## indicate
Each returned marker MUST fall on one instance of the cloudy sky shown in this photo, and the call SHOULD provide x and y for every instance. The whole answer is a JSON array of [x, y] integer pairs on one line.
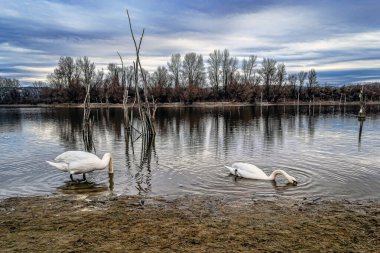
[[340, 39]]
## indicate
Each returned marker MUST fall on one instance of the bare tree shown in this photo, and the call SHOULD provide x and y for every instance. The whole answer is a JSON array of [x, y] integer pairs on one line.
[[312, 82], [114, 74], [232, 71], [6, 86], [214, 69], [280, 80], [87, 71], [127, 124], [174, 67], [98, 83], [248, 68], [193, 69], [268, 74], [301, 79], [129, 73], [66, 67], [55, 80], [63, 75], [161, 77], [115, 82], [87, 75], [144, 110], [160, 82], [38, 86], [292, 79]]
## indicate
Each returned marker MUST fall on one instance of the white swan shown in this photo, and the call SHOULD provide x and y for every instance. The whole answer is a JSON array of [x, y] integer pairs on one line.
[[80, 162], [247, 170]]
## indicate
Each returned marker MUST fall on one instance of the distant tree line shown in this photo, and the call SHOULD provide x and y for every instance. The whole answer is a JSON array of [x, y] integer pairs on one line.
[[184, 79], [8, 90]]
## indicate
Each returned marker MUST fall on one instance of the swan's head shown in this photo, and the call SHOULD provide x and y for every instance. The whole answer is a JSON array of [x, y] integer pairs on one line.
[[108, 156], [292, 180]]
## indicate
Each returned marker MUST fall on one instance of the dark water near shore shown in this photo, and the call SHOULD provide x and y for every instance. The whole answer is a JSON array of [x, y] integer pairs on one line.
[[319, 146]]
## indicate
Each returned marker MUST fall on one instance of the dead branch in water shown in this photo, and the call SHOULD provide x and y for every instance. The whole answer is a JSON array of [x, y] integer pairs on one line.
[[144, 106], [88, 73], [125, 99], [87, 122]]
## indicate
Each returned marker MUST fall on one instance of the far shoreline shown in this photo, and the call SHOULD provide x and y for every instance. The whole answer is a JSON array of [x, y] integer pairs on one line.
[[194, 104]]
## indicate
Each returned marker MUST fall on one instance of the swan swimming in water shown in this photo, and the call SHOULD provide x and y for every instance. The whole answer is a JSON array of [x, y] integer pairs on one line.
[[80, 162], [247, 170]]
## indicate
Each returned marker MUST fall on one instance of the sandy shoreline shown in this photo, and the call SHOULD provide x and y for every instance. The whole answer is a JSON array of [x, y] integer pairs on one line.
[[187, 224]]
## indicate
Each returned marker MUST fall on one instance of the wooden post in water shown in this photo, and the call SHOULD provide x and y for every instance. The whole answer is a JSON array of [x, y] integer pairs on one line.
[[362, 113]]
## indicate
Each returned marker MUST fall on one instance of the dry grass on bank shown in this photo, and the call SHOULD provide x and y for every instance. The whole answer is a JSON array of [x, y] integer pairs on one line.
[[187, 224]]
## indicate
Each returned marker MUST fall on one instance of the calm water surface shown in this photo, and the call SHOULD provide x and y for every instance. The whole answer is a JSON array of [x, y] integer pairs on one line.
[[319, 146]]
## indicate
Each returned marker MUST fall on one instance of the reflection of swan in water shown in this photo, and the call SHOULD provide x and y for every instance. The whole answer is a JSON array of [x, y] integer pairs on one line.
[[83, 188], [80, 162], [250, 171]]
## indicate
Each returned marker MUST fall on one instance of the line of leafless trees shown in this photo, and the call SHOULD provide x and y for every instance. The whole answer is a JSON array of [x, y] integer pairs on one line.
[[187, 79]]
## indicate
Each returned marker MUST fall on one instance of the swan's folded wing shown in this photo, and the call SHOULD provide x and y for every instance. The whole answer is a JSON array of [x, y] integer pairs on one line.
[[247, 170], [61, 166], [71, 156], [85, 166]]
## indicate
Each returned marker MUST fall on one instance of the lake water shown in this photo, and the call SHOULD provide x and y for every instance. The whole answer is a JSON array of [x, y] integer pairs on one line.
[[320, 146]]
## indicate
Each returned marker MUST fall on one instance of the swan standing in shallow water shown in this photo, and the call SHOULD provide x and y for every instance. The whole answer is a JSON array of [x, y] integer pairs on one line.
[[247, 170], [80, 162]]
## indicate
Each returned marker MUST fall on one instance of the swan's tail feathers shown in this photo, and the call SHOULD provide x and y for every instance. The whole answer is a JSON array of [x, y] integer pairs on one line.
[[232, 170], [60, 166]]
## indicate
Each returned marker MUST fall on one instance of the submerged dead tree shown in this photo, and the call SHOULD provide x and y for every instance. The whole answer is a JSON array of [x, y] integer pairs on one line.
[[125, 98], [87, 123], [139, 125], [145, 108], [88, 70]]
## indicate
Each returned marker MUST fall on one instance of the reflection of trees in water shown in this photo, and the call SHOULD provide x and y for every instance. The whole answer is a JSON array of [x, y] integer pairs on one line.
[[186, 126], [311, 125], [222, 127], [68, 124], [210, 129], [143, 176], [10, 120], [111, 119], [361, 123]]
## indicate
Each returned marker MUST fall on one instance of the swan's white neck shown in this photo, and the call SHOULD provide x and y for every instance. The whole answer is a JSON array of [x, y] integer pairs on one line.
[[107, 161], [280, 172]]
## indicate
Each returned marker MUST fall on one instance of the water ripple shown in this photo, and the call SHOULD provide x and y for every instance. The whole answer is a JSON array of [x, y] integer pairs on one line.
[[192, 146]]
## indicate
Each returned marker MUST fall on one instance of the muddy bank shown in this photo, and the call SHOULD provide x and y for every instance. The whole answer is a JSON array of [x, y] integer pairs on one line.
[[187, 224]]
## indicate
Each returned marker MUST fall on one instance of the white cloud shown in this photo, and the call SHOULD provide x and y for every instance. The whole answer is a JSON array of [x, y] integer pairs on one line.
[[34, 69], [340, 42], [7, 47], [351, 65]]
